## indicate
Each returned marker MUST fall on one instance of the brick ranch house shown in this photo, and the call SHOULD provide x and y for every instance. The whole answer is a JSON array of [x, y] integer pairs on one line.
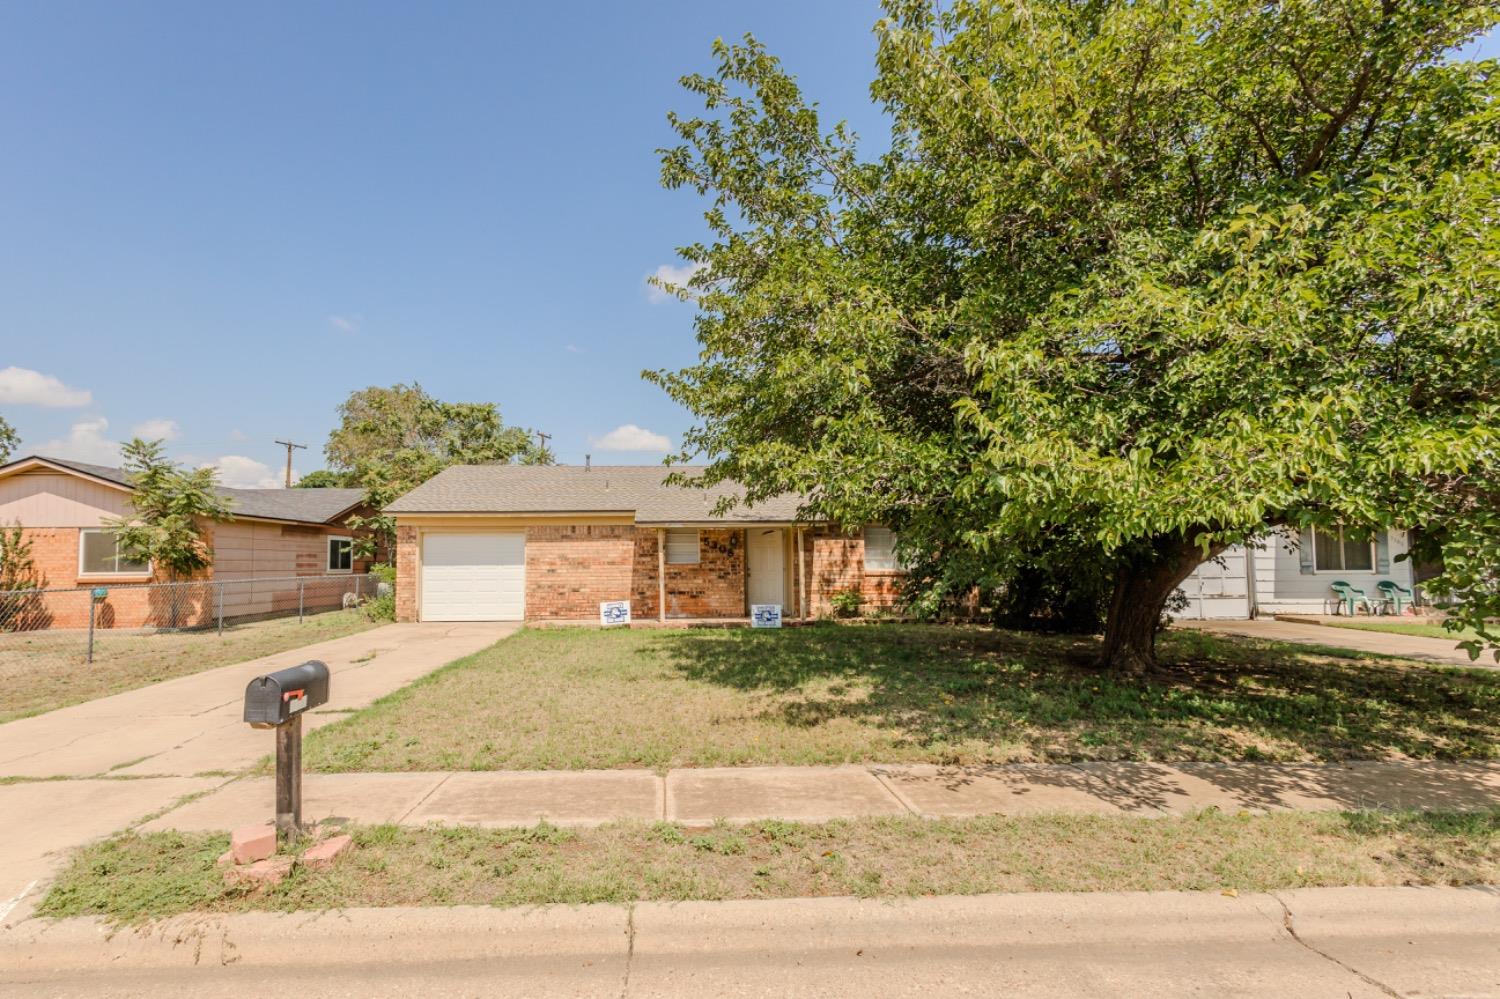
[[550, 543], [61, 506]]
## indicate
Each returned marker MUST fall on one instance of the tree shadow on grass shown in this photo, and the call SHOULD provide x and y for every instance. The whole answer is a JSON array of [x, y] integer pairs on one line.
[[1217, 699]]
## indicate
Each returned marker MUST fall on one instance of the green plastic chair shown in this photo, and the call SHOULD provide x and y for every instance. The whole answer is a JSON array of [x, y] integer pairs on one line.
[[1349, 596], [1393, 594]]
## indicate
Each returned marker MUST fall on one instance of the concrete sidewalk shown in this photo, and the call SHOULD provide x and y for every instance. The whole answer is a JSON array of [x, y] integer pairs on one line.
[[1354, 942], [1435, 650], [193, 724], [818, 794]]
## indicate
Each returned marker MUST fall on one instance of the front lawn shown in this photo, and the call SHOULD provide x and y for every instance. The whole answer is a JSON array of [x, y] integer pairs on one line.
[[584, 698], [132, 878], [45, 670]]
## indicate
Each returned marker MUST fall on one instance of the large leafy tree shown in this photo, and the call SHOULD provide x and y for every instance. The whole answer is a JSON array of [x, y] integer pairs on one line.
[[170, 506], [1133, 283], [391, 440]]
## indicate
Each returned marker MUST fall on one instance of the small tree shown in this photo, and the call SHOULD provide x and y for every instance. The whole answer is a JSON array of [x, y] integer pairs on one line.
[[8, 440], [170, 505], [19, 609]]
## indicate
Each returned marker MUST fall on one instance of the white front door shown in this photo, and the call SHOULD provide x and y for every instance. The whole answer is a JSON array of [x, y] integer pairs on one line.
[[474, 577], [765, 557]]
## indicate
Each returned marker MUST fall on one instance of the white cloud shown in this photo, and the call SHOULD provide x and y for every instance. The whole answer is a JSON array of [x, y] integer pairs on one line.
[[160, 429], [238, 435], [239, 472], [24, 387], [344, 324], [678, 274], [86, 441], [629, 437], [573, 348]]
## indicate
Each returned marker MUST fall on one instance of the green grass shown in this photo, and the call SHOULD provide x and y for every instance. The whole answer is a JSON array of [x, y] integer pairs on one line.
[[1418, 628], [43, 671], [584, 698], [132, 878]]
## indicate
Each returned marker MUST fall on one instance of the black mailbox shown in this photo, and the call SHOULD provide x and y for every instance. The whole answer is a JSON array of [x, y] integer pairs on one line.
[[276, 698]]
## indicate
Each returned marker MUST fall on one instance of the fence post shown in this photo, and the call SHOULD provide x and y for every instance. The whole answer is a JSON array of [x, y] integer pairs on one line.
[[219, 600], [301, 597], [92, 605]]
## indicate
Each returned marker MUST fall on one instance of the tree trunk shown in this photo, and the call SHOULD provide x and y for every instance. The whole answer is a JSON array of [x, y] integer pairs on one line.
[[1140, 595]]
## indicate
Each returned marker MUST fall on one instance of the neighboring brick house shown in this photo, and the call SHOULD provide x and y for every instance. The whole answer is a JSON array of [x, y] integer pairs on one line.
[[536, 543], [62, 506]]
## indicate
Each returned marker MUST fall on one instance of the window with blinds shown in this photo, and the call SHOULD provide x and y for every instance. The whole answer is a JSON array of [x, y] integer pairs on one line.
[[682, 546], [880, 548]]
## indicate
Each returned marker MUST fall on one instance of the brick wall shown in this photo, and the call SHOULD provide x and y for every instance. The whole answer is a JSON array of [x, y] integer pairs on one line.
[[406, 573], [129, 604], [836, 561], [571, 569], [715, 587]]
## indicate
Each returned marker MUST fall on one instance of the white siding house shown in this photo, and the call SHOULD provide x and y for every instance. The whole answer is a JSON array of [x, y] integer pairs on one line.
[[1290, 572]]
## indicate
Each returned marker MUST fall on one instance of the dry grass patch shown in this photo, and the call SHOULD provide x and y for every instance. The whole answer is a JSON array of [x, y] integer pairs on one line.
[[37, 675], [580, 698], [136, 877]]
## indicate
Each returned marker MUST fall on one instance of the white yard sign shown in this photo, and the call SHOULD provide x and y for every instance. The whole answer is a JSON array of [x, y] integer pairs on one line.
[[613, 612], [765, 615]]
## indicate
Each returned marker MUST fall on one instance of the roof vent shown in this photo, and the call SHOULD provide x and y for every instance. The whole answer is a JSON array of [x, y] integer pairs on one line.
[[587, 459]]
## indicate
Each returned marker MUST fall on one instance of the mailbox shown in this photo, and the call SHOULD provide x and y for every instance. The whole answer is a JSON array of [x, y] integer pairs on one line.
[[277, 698]]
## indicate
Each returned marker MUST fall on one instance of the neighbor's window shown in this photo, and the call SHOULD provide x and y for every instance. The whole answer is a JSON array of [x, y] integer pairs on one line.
[[99, 555], [880, 548], [682, 546], [340, 554], [1338, 550]]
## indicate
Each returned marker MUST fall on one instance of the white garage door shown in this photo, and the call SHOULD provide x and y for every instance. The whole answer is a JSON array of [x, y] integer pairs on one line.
[[474, 577]]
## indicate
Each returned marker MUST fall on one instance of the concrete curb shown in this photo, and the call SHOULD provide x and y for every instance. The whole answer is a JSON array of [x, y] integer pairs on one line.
[[792, 930]]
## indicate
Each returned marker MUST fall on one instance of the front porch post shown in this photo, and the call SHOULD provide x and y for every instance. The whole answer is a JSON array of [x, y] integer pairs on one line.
[[661, 574], [801, 580]]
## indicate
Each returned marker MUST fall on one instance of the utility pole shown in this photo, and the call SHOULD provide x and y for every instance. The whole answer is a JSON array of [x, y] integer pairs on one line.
[[289, 446], [542, 440]]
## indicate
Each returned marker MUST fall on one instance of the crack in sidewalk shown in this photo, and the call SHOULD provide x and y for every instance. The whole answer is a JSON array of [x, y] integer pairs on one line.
[[423, 800], [629, 948], [1286, 923]]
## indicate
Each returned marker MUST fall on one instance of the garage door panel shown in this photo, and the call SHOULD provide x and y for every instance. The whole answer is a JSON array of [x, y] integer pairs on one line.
[[474, 577]]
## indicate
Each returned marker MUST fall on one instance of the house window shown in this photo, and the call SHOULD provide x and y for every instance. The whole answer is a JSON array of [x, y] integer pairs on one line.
[[682, 546], [1339, 550], [340, 554], [99, 555], [880, 549]]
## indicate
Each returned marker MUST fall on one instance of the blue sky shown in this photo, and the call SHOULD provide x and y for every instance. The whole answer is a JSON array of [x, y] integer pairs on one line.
[[218, 220]]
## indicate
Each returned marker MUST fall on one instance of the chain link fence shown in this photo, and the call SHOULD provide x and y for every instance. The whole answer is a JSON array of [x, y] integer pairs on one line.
[[90, 623]]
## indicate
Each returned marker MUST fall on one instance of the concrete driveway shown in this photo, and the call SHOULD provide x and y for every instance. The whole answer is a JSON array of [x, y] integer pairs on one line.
[[176, 736], [1436, 650]]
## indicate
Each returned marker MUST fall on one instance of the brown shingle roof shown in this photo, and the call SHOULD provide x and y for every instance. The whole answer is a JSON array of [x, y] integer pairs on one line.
[[314, 506], [552, 489]]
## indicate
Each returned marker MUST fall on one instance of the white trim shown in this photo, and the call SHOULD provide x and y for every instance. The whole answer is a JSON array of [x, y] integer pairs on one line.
[[329, 539], [117, 574]]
